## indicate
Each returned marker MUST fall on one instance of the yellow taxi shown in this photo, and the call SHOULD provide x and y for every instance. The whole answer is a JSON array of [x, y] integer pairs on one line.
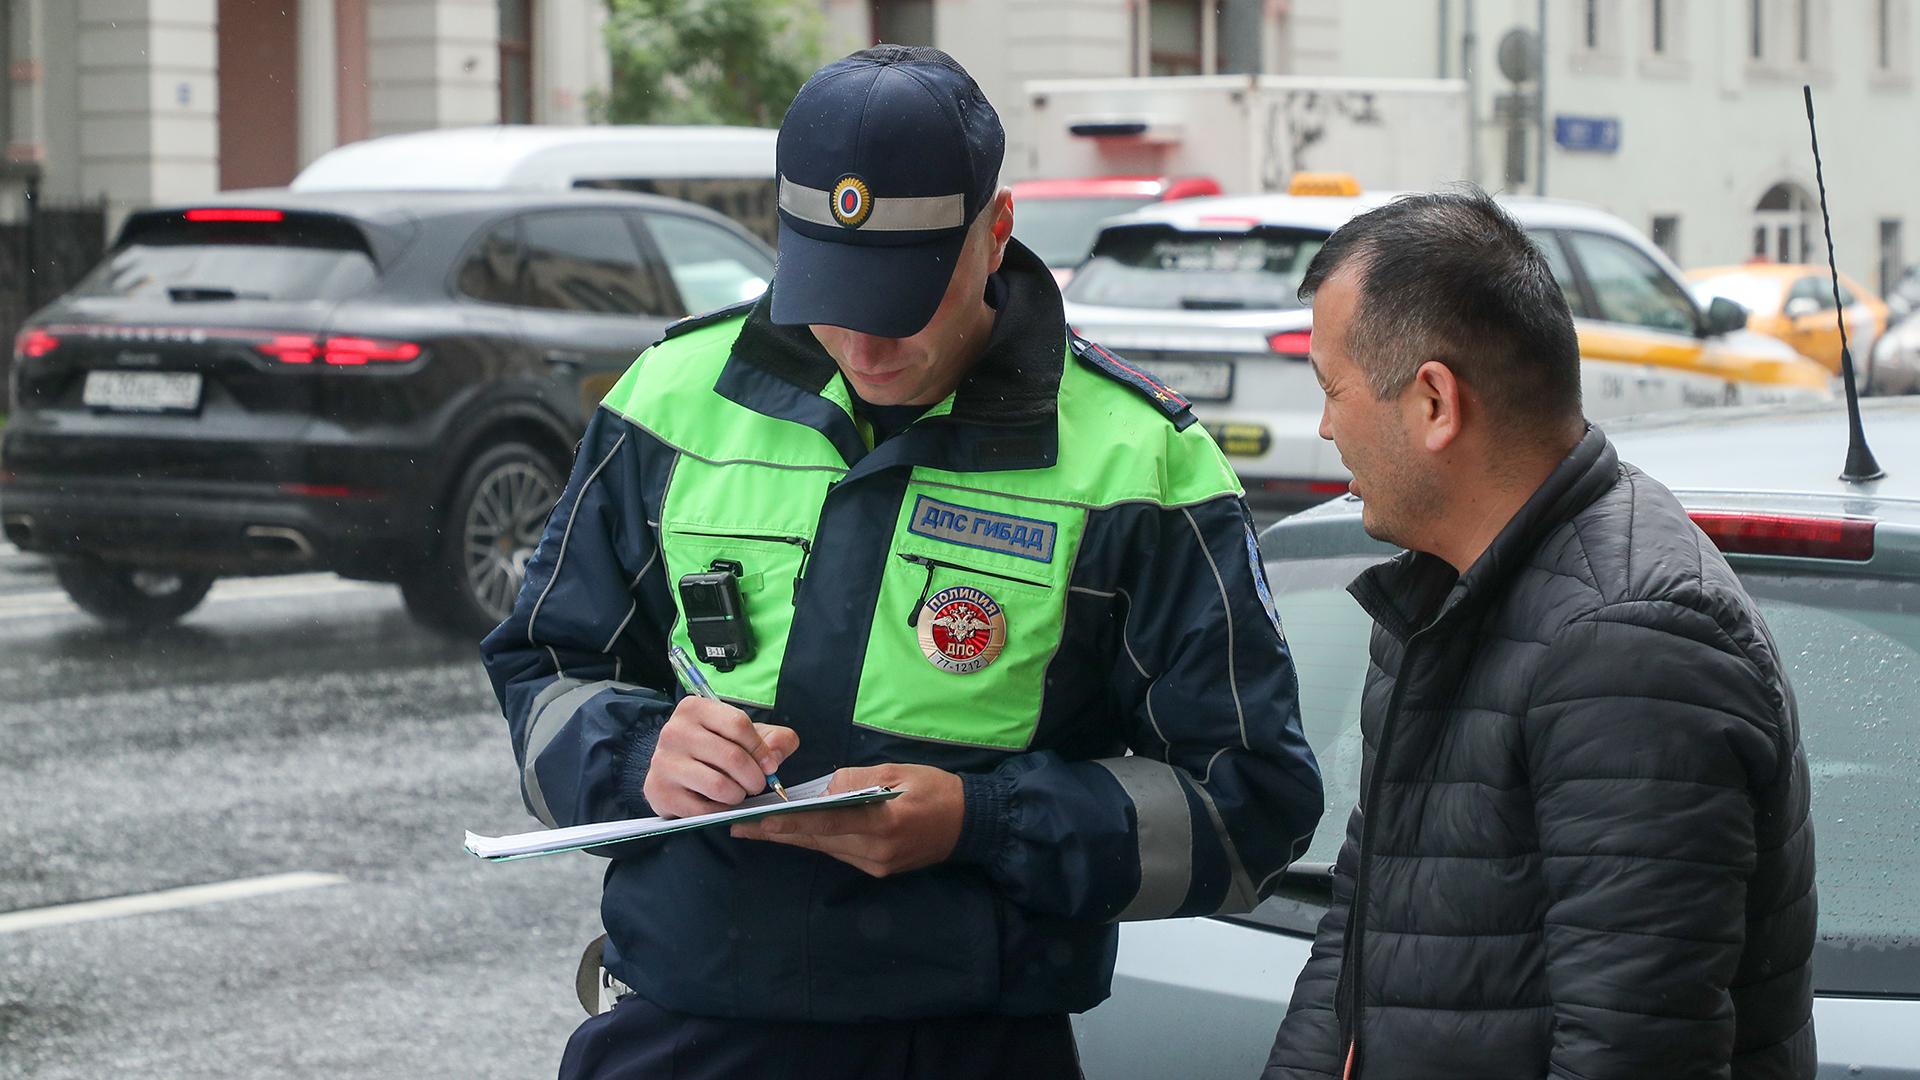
[[1794, 303]]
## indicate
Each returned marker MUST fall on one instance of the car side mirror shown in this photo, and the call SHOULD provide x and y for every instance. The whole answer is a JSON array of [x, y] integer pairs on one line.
[[1725, 316], [1801, 306]]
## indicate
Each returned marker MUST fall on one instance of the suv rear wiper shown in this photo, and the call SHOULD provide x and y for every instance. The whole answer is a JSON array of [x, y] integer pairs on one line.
[[188, 294], [1192, 303]]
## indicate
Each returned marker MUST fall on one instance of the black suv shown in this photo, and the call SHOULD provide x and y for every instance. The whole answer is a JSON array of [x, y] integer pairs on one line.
[[388, 386]]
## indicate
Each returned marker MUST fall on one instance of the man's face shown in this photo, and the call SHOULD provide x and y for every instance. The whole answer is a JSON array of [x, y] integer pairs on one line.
[[925, 368], [1372, 435]]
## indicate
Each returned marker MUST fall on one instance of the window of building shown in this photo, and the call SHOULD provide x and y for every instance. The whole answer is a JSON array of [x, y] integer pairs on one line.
[[1783, 223], [1662, 38], [1756, 26], [1175, 31], [1893, 38], [1590, 23], [6, 84], [1892, 260], [587, 261], [1803, 30], [516, 61], [903, 22], [1666, 234]]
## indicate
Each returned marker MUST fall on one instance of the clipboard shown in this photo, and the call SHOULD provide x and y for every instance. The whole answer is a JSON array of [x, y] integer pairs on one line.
[[531, 845]]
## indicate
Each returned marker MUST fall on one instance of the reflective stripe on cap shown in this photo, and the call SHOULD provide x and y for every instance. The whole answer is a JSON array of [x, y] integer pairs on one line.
[[926, 214]]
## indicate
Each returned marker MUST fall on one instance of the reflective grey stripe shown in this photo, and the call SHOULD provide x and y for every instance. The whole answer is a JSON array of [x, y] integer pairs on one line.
[[549, 714], [1165, 828], [1241, 895], [631, 608], [560, 558], [1226, 616], [815, 207]]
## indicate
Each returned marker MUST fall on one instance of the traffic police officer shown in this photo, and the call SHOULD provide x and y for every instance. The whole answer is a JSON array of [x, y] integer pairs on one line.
[[975, 558]]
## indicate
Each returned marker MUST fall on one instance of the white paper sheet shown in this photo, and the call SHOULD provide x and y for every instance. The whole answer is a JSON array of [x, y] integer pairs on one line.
[[808, 796]]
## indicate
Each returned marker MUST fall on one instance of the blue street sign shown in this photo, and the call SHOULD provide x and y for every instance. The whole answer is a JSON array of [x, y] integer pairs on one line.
[[1599, 134]]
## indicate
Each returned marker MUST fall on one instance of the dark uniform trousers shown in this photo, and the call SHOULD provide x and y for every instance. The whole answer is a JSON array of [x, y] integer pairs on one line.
[[638, 1040]]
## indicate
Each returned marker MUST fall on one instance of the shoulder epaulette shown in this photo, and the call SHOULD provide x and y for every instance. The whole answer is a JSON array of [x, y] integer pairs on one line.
[[717, 315], [1165, 398]]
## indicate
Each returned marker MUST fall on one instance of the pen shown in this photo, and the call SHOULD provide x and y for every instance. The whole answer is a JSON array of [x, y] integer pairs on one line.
[[697, 682]]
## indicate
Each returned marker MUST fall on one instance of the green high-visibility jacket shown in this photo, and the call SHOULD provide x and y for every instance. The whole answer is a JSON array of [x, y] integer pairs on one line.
[[1048, 584]]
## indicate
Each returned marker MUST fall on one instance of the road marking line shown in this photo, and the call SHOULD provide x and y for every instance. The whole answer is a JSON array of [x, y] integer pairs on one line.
[[55, 602], [164, 900]]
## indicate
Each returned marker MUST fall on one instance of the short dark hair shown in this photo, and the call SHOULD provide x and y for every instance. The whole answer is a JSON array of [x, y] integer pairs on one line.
[[1450, 276]]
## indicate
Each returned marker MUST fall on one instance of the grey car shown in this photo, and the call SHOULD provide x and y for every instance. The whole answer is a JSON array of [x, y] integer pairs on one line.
[[1834, 566]]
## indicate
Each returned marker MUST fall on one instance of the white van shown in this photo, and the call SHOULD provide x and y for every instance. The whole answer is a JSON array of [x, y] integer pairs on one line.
[[728, 169]]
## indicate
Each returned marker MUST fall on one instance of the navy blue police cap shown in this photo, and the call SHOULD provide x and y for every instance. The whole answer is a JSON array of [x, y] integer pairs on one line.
[[885, 158]]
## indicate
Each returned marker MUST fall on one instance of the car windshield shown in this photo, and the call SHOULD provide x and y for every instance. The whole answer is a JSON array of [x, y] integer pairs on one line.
[[1159, 266], [1756, 294], [1852, 647], [1061, 231]]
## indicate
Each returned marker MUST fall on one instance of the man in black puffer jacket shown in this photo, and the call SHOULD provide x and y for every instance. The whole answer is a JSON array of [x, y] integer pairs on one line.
[[1583, 847]]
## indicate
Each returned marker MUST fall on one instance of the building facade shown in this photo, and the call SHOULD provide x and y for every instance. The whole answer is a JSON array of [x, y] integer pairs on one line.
[[1684, 117], [144, 101]]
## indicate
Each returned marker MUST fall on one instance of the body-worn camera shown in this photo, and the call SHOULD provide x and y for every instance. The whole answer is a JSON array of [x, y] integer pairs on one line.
[[716, 619]]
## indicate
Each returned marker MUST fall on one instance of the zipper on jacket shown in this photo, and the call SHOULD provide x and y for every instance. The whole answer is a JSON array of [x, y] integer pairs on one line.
[[1351, 976], [913, 617], [805, 545]]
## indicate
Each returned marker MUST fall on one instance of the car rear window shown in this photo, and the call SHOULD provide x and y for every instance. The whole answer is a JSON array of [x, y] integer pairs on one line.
[[1061, 231], [1852, 649], [1158, 266], [170, 259]]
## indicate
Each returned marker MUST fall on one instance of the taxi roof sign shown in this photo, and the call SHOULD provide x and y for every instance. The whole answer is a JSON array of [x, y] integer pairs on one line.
[[1323, 183]]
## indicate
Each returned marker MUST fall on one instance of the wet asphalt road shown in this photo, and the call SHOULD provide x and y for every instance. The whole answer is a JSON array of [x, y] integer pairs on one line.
[[290, 724]]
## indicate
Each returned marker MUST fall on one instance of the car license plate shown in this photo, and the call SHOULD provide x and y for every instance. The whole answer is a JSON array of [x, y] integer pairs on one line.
[[142, 391], [1197, 380]]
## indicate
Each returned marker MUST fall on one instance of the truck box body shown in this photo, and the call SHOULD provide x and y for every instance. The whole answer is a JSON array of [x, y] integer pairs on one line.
[[1251, 132]]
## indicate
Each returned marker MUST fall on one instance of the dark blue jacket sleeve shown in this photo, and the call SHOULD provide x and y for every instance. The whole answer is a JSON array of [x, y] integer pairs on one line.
[[579, 666], [1219, 792]]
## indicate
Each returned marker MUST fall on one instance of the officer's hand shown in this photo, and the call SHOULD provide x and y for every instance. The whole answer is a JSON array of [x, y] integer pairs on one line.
[[711, 756], [916, 828]]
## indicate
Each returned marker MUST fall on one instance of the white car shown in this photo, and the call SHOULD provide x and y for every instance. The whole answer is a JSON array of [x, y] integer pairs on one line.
[[1201, 292], [1202, 998]]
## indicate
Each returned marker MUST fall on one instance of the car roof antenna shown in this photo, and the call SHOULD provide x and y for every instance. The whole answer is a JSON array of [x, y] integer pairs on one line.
[[1861, 465]]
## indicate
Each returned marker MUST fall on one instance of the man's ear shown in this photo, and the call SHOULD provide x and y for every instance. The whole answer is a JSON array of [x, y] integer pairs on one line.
[[1001, 228], [1436, 399]]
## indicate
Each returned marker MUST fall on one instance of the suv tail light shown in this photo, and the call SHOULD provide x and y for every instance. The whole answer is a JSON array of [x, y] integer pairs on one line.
[[1782, 534], [338, 351], [359, 350], [1290, 342], [34, 344]]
